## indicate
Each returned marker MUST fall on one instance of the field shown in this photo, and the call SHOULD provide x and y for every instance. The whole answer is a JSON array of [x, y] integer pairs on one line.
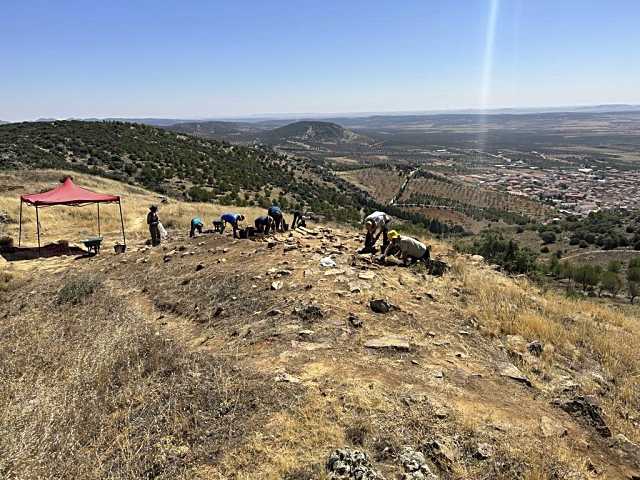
[[381, 184]]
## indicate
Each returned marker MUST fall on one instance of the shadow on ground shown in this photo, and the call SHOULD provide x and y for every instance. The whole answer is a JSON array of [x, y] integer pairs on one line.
[[47, 251]]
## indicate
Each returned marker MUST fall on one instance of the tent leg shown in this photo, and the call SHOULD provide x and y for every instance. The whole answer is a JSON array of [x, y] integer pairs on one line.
[[124, 239], [20, 228], [98, 219], [38, 228]]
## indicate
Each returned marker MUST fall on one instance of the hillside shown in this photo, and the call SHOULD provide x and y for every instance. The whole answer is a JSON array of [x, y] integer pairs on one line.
[[211, 358], [178, 165], [231, 131], [315, 131]]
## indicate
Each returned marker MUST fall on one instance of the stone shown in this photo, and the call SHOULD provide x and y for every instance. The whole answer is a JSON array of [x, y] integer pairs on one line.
[[348, 464], [626, 448], [588, 409], [380, 306], [511, 371], [274, 313], [285, 377], [277, 285], [551, 428], [389, 342], [483, 451], [441, 453], [289, 248], [355, 321], [477, 258], [167, 258], [309, 312], [366, 276], [415, 465], [199, 267], [272, 244]]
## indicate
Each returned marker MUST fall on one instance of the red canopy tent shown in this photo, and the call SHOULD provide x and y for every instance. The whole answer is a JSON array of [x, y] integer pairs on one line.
[[71, 195]]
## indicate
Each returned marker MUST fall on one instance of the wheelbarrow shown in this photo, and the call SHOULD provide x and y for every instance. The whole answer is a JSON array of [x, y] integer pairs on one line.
[[93, 245]]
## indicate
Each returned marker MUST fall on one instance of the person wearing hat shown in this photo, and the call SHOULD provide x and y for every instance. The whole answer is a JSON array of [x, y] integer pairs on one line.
[[153, 221], [233, 219], [376, 224], [196, 226], [408, 249]]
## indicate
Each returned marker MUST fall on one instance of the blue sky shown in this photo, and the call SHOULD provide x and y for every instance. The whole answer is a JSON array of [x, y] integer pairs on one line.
[[193, 59]]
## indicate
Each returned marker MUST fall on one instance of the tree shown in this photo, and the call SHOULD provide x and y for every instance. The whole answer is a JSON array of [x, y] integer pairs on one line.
[[611, 282], [587, 275], [633, 279], [614, 266], [548, 237], [634, 290]]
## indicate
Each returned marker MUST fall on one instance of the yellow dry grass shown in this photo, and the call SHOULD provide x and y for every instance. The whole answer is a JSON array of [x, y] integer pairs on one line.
[[579, 329]]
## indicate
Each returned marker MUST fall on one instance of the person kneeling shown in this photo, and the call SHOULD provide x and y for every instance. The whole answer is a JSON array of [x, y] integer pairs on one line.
[[408, 249]]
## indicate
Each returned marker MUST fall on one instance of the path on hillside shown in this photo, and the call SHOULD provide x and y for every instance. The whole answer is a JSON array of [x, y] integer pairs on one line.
[[404, 185]]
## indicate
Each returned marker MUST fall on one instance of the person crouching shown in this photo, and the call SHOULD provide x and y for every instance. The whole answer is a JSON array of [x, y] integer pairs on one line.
[[196, 226], [407, 249], [232, 219], [264, 224]]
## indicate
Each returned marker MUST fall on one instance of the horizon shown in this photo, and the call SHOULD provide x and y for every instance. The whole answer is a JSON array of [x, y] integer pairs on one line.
[[205, 60]]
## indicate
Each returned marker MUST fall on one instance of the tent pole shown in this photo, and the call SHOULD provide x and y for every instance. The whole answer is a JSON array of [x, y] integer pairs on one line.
[[124, 239], [38, 228], [20, 229], [98, 218]]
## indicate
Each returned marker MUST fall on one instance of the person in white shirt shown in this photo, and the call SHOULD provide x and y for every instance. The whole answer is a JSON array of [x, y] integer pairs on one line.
[[376, 224], [408, 249]]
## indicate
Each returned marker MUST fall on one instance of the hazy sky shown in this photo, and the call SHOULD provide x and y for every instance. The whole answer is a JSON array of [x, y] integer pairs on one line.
[[194, 59]]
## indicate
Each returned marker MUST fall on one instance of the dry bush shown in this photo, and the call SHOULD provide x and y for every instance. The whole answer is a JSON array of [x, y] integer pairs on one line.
[[93, 391], [76, 289]]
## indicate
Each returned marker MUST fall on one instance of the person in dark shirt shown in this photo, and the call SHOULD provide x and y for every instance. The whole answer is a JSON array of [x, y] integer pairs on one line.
[[298, 219], [233, 219], [276, 213], [153, 221], [264, 224]]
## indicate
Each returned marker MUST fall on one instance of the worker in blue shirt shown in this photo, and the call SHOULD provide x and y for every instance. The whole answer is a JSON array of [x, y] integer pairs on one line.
[[196, 226], [233, 219], [264, 224], [278, 220]]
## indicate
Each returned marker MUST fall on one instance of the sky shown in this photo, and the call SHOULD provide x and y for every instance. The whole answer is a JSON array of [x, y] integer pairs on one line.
[[211, 59]]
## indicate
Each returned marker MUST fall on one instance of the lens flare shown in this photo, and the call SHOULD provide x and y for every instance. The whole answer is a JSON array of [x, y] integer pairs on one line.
[[487, 71]]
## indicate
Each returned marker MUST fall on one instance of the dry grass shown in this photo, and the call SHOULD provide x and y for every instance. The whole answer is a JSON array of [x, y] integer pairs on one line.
[[94, 391], [76, 223], [579, 330]]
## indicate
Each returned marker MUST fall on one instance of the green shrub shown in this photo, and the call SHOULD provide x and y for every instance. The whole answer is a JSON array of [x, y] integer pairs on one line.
[[76, 289]]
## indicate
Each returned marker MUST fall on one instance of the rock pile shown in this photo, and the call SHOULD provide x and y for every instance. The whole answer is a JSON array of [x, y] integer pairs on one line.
[[415, 465], [348, 464]]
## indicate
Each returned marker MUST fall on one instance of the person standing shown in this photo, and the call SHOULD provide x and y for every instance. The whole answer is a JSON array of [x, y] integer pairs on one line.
[[376, 224], [276, 213], [233, 219], [153, 221]]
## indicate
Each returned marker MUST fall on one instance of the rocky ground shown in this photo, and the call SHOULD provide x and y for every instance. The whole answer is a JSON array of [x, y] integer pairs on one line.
[[370, 371]]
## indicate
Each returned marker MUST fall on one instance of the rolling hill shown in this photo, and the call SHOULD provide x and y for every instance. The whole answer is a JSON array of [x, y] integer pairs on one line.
[[180, 165], [316, 132]]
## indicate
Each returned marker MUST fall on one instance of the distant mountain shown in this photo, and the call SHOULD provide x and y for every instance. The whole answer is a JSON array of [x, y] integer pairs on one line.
[[316, 132]]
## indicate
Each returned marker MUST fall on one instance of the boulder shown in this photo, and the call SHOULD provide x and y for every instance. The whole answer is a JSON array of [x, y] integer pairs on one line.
[[511, 371], [355, 321], [588, 410], [380, 305], [535, 348], [277, 285]]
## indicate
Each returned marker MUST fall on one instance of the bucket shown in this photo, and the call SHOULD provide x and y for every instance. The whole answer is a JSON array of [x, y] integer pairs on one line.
[[119, 248]]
